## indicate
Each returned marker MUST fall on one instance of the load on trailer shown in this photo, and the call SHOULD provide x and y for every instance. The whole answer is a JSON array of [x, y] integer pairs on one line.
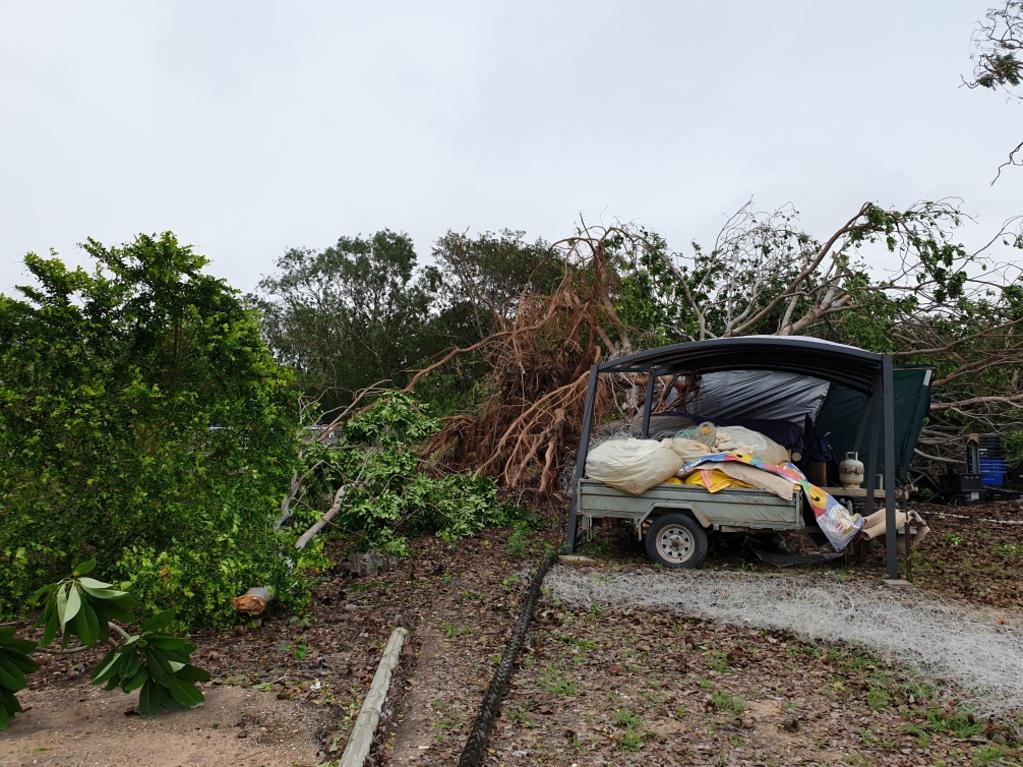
[[749, 443]]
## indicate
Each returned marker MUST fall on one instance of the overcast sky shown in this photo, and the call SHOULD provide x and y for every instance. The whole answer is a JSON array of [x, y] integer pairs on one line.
[[250, 127]]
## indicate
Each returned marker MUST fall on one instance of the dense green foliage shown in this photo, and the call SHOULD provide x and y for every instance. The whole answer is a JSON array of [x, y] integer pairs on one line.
[[365, 310], [143, 422], [387, 495], [348, 316]]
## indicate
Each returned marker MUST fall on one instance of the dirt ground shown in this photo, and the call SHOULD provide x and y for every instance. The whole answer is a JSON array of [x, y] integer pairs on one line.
[[85, 726], [975, 553], [629, 687], [459, 602], [622, 687]]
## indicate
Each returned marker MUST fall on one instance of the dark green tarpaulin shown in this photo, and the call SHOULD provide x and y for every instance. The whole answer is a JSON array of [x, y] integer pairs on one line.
[[844, 415]]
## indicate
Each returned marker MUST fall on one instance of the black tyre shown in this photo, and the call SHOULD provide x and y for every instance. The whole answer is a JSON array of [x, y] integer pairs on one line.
[[676, 540]]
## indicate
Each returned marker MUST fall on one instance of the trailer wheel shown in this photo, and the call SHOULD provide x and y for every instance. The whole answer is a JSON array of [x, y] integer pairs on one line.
[[676, 540]]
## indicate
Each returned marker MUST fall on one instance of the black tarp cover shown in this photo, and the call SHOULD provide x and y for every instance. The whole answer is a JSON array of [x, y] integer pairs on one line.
[[733, 394]]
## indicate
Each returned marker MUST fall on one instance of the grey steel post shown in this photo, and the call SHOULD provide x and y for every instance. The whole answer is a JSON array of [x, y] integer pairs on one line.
[[888, 387], [874, 417], [580, 456], [650, 380]]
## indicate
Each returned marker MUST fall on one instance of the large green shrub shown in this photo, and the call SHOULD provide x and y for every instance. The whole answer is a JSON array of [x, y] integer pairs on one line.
[[143, 423]]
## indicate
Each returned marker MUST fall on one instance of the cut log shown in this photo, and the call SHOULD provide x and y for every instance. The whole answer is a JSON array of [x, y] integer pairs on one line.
[[254, 601]]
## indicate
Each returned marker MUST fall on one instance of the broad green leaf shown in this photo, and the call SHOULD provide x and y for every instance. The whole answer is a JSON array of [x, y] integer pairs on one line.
[[61, 604], [21, 660], [136, 681], [84, 568], [132, 665], [170, 644], [192, 673], [92, 583], [18, 645], [151, 698], [159, 621], [87, 625], [43, 592], [74, 604], [184, 694], [10, 702], [115, 609], [49, 607], [11, 676], [105, 666], [52, 624], [158, 667]]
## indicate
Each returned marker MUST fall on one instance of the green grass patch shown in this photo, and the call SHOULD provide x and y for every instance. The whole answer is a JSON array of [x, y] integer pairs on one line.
[[555, 682], [722, 701]]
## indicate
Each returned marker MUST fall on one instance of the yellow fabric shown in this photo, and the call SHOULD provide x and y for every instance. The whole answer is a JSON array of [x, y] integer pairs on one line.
[[713, 480], [765, 480]]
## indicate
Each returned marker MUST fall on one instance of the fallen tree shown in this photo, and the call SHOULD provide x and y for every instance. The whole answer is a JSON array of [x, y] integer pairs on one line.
[[529, 422], [938, 304]]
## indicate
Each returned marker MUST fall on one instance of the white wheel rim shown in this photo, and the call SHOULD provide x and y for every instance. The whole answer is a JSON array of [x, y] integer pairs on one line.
[[676, 544]]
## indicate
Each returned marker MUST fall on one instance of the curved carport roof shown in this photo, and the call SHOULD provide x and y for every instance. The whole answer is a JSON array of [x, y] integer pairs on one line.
[[847, 365]]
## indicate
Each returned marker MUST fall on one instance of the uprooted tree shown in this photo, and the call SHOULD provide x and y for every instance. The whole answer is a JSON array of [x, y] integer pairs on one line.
[[937, 303]]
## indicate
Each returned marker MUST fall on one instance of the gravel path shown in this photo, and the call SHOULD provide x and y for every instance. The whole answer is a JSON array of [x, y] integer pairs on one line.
[[980, 653]]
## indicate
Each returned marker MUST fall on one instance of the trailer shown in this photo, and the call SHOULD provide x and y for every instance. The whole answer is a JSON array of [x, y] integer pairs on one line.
[[673, 521], [868, 407]]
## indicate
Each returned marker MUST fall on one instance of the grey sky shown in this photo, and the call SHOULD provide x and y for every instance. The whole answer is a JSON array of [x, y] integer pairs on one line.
[[249, 127]]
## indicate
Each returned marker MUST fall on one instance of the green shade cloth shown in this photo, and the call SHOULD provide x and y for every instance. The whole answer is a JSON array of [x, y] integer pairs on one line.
[[844, 412]]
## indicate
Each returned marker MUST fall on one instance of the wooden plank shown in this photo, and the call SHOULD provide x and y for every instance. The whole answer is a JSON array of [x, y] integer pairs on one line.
[[361, 737]]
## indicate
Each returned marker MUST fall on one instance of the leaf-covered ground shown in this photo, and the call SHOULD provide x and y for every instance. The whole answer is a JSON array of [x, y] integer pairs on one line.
[[619, 687], [629, 687], [974, 553]]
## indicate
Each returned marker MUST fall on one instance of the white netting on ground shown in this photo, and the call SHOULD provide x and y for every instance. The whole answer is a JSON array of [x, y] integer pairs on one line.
[[983, 659]]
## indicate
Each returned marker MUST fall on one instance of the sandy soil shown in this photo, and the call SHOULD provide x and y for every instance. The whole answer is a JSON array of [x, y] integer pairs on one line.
[[87, 727]]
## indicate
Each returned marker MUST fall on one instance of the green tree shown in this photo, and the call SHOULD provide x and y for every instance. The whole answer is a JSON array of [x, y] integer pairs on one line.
[[485, 276], [348, 316], [143, 422]]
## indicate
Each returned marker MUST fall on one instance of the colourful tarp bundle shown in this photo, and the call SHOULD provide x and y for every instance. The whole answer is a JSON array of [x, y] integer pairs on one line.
[[837, 522]]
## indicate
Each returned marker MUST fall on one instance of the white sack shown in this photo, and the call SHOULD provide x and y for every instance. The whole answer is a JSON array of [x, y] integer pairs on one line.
[[632, 465], [689, 449], [738, 438]]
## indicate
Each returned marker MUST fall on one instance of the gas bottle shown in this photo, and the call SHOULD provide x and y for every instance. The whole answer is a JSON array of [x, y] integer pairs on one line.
[[850, 471]]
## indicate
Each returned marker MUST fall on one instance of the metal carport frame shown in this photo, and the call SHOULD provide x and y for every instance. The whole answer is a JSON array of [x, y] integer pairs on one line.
[[868, 372]]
